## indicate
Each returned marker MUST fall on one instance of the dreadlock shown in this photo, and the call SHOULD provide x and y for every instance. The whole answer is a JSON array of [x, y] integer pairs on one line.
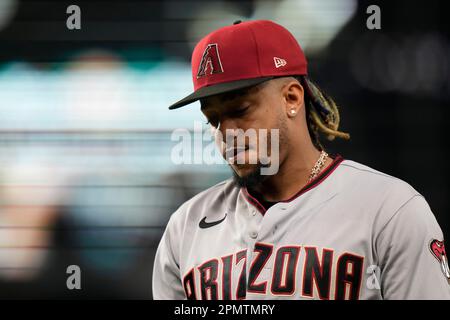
[[322, 113]]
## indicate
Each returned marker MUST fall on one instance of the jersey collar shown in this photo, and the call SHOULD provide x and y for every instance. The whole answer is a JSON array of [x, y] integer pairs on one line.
[[337, 159]]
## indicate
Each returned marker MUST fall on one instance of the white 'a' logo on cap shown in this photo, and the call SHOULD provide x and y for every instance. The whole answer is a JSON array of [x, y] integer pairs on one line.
[[279, 62], [210, 62]]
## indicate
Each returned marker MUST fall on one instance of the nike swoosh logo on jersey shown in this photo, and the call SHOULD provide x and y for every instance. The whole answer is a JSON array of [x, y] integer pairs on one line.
[[204, 225]]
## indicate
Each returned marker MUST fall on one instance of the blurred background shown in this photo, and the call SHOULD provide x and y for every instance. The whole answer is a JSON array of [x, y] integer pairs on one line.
[[86, 176]]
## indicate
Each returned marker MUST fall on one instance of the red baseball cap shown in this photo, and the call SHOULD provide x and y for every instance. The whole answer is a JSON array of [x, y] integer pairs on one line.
[[243, 55]]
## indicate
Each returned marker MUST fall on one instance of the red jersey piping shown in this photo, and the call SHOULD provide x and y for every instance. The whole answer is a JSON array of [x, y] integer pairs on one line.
[[310, 185]]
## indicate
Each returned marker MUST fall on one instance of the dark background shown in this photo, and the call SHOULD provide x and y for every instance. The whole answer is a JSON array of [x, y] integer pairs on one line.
[[392, 86]]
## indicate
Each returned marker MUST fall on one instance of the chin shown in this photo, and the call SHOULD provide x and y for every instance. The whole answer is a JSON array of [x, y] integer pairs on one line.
[[248, 176], [243, 170]]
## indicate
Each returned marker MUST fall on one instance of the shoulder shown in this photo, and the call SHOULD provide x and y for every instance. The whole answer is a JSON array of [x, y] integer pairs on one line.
[[366, 179], [378, 196], [402, 227], [211, 200]]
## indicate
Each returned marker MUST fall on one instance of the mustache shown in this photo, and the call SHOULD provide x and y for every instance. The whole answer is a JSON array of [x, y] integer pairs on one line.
[[231, 145], [232, 150]]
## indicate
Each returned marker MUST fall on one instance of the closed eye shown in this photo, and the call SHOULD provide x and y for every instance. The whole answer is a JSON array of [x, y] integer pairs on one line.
[[236, 113], [239, 112]]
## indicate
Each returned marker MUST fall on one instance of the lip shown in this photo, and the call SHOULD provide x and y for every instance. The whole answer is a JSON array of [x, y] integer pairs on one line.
[[236, 152]]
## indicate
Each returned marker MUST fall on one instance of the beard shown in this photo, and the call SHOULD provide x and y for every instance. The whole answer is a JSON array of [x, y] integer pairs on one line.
[[253, 180]]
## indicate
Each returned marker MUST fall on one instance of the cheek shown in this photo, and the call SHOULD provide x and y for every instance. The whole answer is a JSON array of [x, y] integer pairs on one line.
[[264, 142], [271, 113], [276, 135], [261, 118]]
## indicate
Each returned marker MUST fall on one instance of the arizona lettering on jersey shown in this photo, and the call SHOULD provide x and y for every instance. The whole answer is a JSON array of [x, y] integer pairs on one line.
[[351, 233], [214, 279]]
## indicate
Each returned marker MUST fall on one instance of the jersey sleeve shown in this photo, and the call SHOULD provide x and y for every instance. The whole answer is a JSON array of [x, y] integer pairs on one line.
[[166, 281], [409, 270]]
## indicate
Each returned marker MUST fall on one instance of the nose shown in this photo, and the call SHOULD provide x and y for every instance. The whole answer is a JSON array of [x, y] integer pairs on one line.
[[225, 134], [223, 125]]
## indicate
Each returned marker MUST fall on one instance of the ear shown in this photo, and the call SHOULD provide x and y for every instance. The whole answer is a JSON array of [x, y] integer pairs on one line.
[[293, 94]]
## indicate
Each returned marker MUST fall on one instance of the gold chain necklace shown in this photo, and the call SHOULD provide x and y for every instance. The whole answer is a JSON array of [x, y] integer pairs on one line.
[[318, 166]]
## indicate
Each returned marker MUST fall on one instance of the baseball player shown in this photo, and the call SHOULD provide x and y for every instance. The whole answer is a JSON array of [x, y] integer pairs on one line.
[[321, 227]]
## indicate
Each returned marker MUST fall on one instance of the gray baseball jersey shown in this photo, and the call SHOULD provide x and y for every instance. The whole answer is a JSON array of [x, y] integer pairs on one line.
[[351, 233]]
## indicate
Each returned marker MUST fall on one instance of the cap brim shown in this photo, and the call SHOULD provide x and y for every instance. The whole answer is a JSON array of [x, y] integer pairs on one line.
[[217, 89]]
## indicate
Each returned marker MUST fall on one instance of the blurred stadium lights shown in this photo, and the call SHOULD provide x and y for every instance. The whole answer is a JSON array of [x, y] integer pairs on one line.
[[92, 135], [33, 182], [314, 23], [211, 16], [8, 8], [416, 64], [95, 91], [30, 193]]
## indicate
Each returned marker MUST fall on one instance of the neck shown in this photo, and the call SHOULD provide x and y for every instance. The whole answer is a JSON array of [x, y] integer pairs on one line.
[[293, 173]]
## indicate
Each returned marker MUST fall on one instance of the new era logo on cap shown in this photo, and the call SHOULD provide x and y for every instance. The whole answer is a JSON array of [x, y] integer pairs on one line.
[[242, 55], [279, 62]]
